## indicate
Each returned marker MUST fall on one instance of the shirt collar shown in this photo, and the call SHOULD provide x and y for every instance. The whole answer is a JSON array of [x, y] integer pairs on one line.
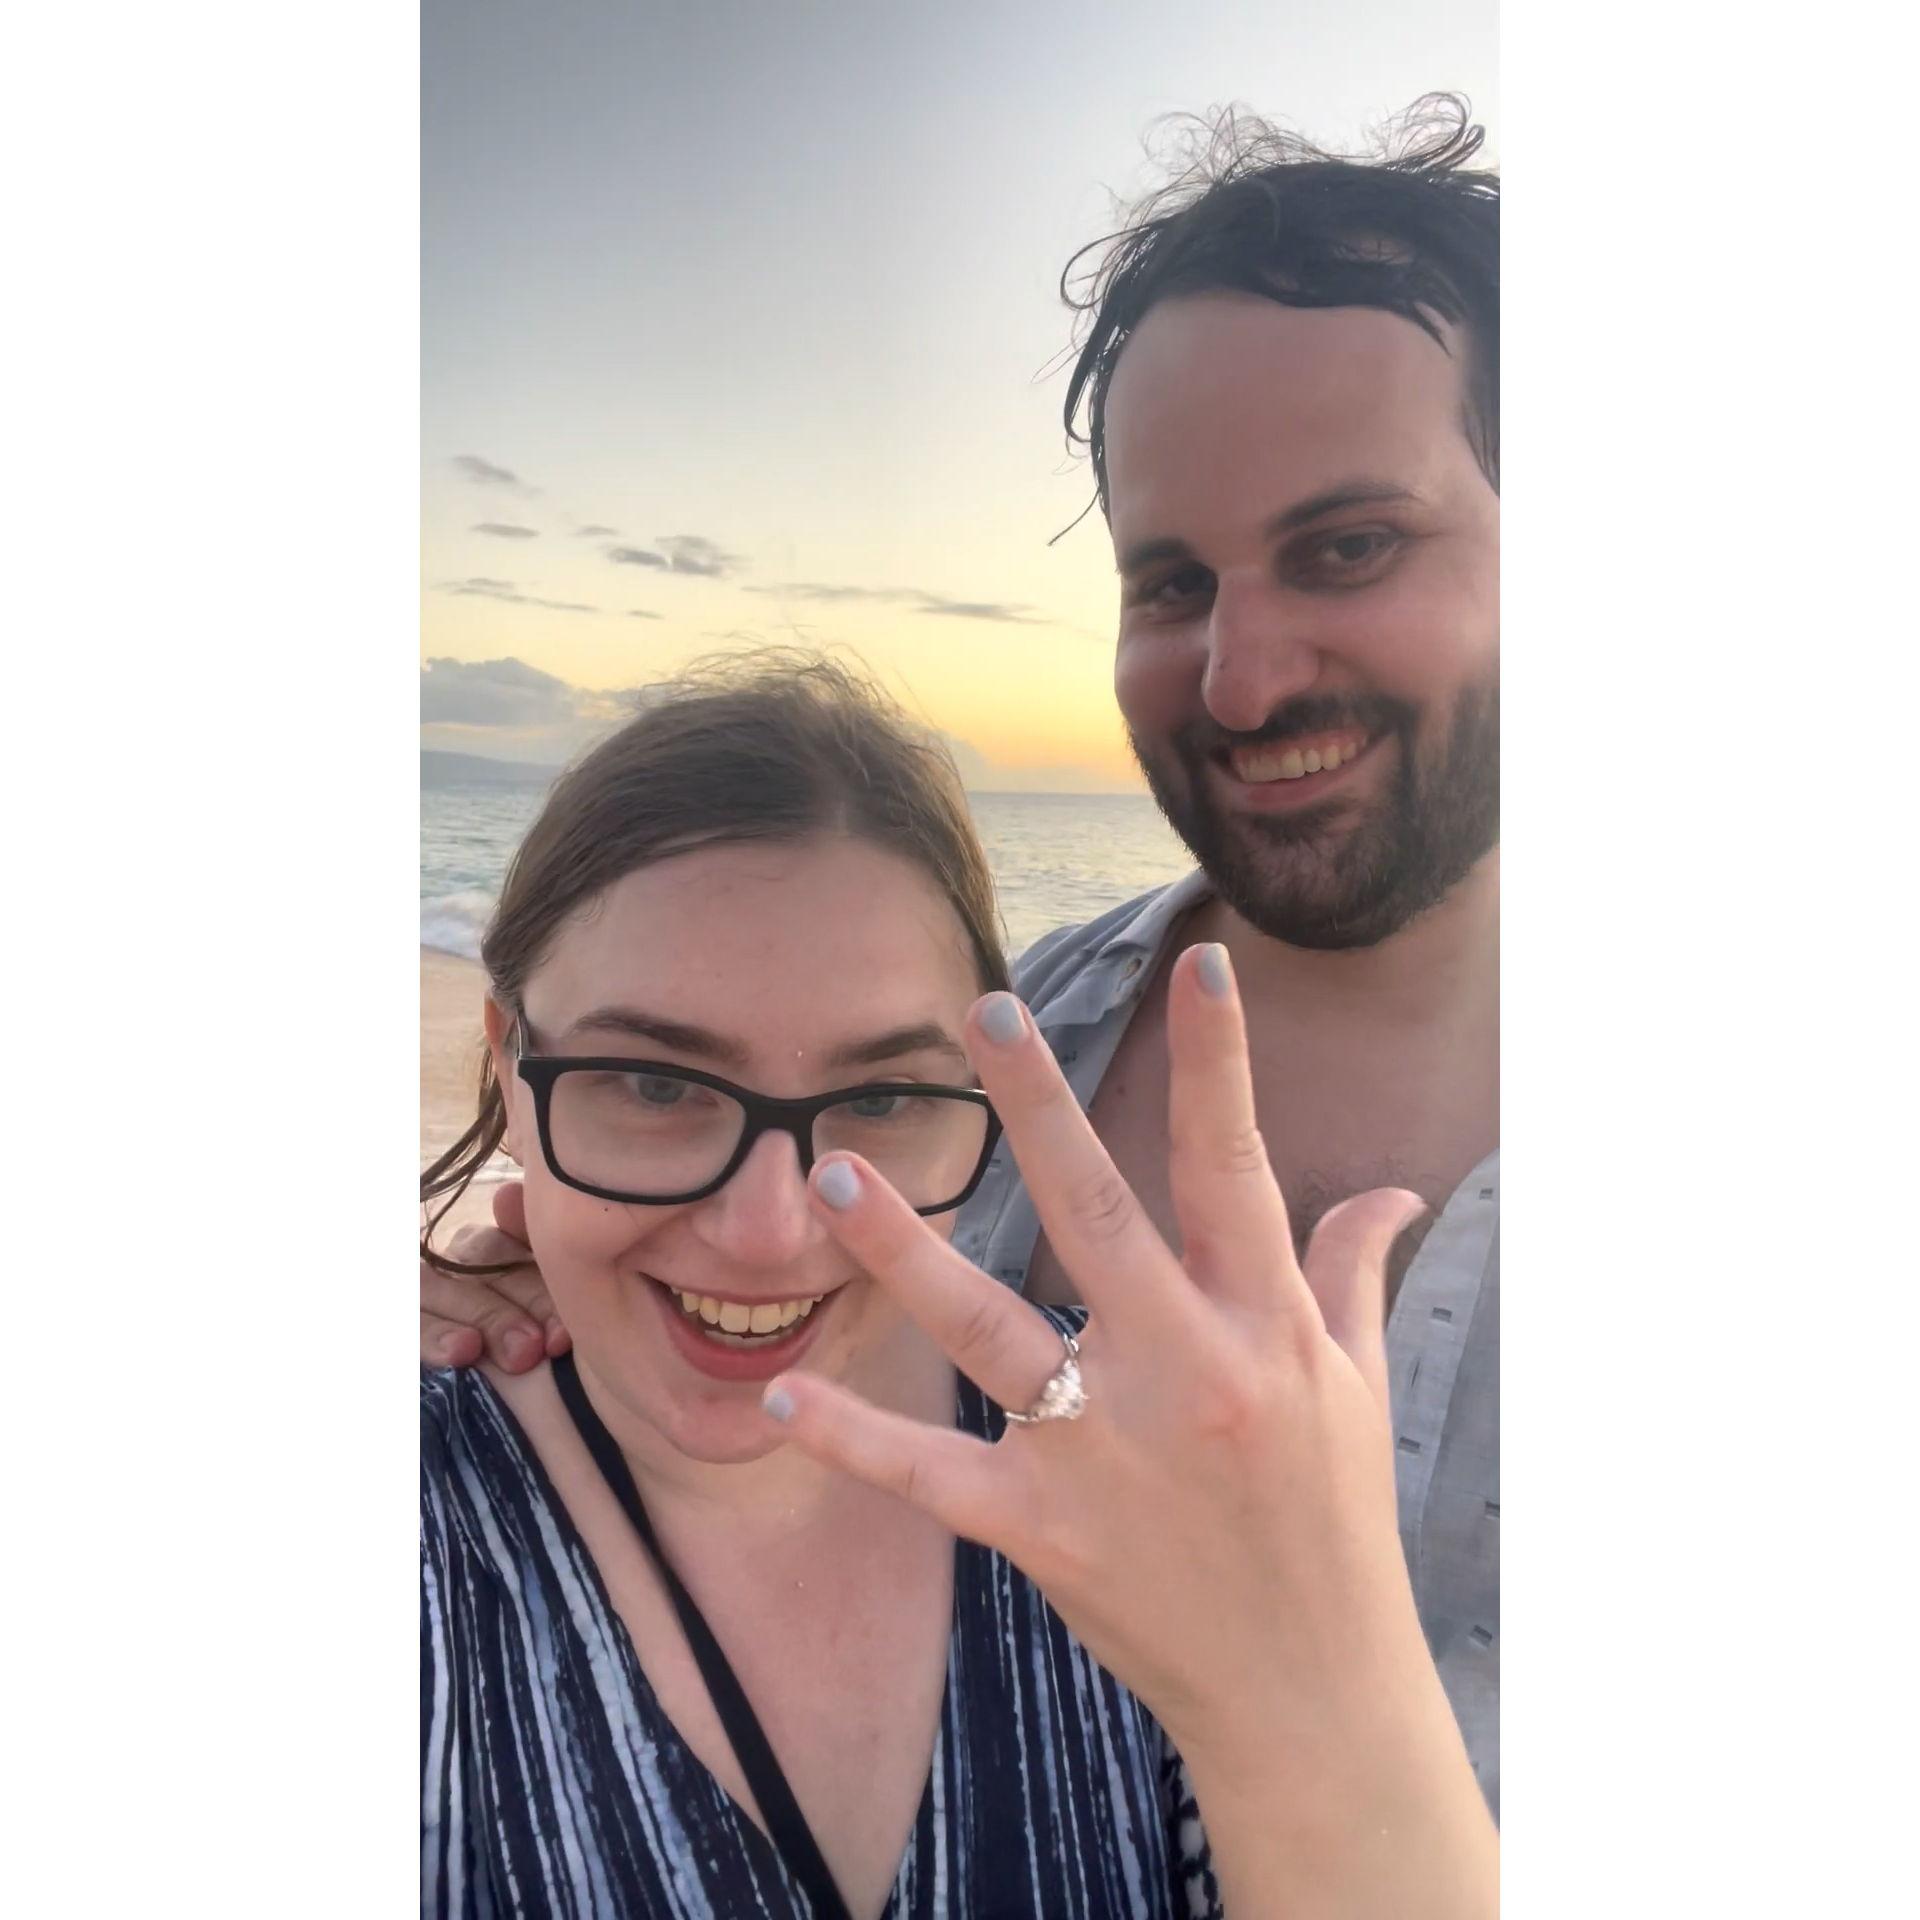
[[1110, 974], [1147, 930]]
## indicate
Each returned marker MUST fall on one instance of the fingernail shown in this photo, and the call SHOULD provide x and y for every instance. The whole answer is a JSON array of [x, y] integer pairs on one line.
[[1000, 1019], [839, 1185], [1214, 969], [520, 1348], [778, 1403]]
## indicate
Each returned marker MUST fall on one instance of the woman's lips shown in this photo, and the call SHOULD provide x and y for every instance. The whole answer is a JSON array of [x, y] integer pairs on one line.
[[725, 1359]]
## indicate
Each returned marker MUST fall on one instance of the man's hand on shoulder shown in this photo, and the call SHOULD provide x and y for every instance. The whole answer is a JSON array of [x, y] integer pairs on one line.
[[503, 1317]]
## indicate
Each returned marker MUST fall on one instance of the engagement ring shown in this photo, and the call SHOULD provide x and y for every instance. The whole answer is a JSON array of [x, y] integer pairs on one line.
[[1063, 1397]]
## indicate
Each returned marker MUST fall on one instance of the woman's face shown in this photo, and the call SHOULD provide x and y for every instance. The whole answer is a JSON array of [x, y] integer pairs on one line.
[[789, 969]]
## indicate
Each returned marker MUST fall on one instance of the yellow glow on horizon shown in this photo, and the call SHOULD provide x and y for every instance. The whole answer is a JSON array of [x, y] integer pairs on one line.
[[1034, 699]]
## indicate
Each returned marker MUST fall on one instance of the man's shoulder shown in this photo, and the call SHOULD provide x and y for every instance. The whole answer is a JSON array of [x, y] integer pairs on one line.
[[1057, 959]]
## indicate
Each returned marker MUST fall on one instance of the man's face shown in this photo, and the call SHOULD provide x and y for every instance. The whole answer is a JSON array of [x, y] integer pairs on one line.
[[1309, 634]]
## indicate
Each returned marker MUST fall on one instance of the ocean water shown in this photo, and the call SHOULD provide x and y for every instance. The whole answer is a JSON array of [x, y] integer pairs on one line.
[[1056, 857]]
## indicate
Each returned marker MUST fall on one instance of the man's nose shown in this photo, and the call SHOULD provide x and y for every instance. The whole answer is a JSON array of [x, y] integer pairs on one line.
[[760, 1217], [1258, 653]]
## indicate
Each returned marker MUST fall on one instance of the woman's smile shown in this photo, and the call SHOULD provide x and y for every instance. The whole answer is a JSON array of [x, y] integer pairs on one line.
[[733, 1339]]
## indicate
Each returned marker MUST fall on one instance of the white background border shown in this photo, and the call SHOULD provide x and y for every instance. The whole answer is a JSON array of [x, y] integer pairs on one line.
[[212, 350]]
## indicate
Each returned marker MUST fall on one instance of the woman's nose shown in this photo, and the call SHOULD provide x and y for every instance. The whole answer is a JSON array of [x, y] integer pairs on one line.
[[760, 1217]]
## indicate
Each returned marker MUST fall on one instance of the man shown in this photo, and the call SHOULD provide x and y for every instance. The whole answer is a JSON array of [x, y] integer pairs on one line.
[[1290, 388]]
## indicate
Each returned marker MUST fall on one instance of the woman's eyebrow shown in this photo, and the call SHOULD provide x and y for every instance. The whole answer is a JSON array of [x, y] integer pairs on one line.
[[675, 1034], [928, 1036]]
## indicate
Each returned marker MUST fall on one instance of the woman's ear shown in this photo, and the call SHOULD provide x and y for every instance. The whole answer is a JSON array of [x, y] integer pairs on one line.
[[499, 1025]]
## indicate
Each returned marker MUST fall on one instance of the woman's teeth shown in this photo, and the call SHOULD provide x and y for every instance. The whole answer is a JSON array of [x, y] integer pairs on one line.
[[734, 1323], [1292, 763]]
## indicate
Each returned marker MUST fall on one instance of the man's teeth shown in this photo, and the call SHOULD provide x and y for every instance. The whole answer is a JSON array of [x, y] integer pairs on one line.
[[737, 1318], [1273, 763]]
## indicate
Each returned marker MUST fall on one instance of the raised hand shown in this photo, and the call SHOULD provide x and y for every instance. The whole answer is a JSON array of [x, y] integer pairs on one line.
[[503, 1317], [1218, 1526]]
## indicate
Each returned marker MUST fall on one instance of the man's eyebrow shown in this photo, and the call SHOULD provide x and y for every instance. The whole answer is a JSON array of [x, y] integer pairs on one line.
[[1149, 553], [673, 1034], [927, 1037], [1352, 493]]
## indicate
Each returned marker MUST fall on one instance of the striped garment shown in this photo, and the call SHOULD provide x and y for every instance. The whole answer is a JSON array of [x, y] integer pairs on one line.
[[553, 1783]]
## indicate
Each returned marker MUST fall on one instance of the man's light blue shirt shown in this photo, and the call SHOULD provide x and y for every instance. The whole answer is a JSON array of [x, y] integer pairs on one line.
[[1443, 1337]]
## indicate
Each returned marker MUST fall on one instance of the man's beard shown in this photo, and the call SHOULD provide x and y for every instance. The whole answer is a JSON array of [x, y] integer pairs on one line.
[[1346, 872]]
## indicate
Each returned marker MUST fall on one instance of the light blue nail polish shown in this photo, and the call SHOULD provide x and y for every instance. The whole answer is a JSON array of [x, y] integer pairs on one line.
[[777, 1402], [839, 1185], [1000, 1018], [1215, 974]]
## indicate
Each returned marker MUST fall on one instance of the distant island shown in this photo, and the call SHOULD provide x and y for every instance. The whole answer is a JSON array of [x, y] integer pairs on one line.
[[476, 770]]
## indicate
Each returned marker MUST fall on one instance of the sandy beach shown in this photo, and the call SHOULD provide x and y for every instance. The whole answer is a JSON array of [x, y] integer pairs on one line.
[[450, 991]]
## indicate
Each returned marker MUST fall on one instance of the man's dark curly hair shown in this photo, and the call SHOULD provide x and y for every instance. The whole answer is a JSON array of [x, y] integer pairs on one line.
[[1411, 229]]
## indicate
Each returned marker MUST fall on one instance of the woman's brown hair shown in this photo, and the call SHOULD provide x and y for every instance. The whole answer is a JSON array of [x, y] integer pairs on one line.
[[775, 745]]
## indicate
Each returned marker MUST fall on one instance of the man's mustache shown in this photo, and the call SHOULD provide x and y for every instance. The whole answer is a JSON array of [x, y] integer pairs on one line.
[[1372, 714]]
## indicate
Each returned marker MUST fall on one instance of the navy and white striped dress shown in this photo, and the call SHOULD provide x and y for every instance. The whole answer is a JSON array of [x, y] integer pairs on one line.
[[553, 1783]]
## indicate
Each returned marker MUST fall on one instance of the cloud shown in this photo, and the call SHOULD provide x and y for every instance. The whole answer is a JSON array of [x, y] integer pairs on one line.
[[810, 590], [680, 553], [513, 711], [507, 591], [504, 530], [694, 553], [980, 610], [915, 598], [484, 472], [640, 613], [493, 693], [597, 533]]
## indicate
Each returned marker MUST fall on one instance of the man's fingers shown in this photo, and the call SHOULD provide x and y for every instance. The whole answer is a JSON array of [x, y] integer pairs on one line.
[[444, 1343], [512, 1338], [478, 1246], [1234, 1234], [524, 1287], [505, 1245], [510, 1209], [1097, 1229], [950, 1475], [475, 1245], [1347, 1270], [999, 1342]]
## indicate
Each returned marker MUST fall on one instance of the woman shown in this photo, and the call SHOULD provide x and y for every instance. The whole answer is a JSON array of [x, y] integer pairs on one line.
[[724, 1612]]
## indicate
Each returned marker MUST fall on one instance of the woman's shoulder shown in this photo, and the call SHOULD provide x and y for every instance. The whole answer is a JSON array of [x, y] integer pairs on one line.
[[455, 1405], [474, 1458]]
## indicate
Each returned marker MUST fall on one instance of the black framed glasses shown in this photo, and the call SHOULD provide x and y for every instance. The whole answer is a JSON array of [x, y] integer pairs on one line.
[[654, 1135]]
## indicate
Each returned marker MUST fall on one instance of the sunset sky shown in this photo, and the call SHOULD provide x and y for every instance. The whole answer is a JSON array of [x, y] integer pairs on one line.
[[741, 322]]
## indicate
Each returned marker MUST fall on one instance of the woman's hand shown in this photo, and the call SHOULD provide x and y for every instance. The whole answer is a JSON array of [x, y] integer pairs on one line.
[[504, 1317], [1218, 1526]]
